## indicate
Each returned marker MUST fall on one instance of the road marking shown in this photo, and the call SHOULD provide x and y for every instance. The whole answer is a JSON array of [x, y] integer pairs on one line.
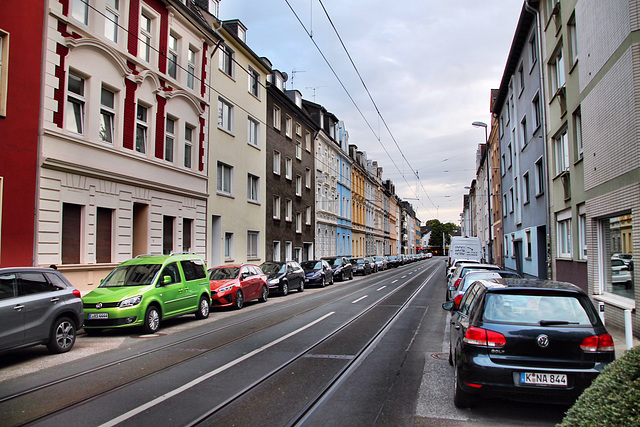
[[359, 299], [394, 281], [403, 276], [379, 289], [198, 380]]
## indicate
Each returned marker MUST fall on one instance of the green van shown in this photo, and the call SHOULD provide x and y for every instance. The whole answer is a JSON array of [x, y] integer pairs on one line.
[[147, 289]]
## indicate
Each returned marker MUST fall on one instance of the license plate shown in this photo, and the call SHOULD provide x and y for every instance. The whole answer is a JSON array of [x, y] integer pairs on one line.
[[532, 378], [98, 315]]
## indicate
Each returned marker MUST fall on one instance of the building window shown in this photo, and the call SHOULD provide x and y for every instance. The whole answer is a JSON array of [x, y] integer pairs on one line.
[[167, 234], [141, 129], [104, 235], [298, 150], [253, 188], [582, 232], [308, 215], [287, 126], [225, 179], [188, 146], [561, 145], [112, 16], [276, 162], [563, 231], [253, 132], [521, 78], [504, 205], [539, 177], [511, 200], [75, 104], [525, 184], [298, 129], [503, 166], [510, 154], [276, 251], [71, 233], [107, 115], [288, 250], [276, 207], [145, 37], [506, 246], [298, 185], [254, 82], [226, 61], [191, 68], [276, 117], [4, 71], [307, 141], [537, 112], [523, 129], [577, 123], [533, 51], [228, 246], [288, 210], [169, 140], [573, 39], [288, 168], [527, 245], [187, 230], [307, 178], [225, 115], [298, 222], [253, 239], [616, 255], [80, 11], [556, 71], [173, 56]]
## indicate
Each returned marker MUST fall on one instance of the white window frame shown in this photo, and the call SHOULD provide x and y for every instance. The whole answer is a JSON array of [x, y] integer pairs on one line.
[[225, 115], [224, 182], [540, 180], [253, 132], [192, 61], [582, 232], [563, 234], [254, 82], [253, 244], [307, 178], [287, 126], [227, 61], [277, 160], [298, 223], [527, 243], [561, 149], [75, 105], [299, 150], [276, 117], [288, 168], [525, 185], [142, 125], [228, 246], [253, 188], [288, 210], [298, 186], [107, 130], [308, 215], [276, 250], [276, 207], [573, 39], [307, 141], [577, 124], [111, 19], [189, 131], [173, 57], [145, 38], [80, 11], [170, 139], [556, 70]]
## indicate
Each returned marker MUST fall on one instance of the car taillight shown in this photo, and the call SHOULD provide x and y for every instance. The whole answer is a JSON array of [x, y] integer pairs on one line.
[[484, 338], [456, 301], [457, 283], [76, 293], [597, 343]]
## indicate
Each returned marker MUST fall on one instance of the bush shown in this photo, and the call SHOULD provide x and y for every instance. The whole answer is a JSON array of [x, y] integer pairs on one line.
[[613, 399]]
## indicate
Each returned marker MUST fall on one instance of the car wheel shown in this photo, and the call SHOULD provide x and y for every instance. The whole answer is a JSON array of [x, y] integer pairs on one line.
[[461, 398], [301, 288], [239, 300], [331, 282], [285, 289], [151, 320], [265, 294], [342, 277], [351, 275], [63, 335], [203, 308]]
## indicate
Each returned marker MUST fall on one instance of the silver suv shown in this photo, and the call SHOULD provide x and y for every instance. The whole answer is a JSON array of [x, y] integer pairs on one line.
[[38, 306]]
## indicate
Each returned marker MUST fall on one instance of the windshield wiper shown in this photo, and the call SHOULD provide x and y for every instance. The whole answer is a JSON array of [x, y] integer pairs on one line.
[[557, 322]]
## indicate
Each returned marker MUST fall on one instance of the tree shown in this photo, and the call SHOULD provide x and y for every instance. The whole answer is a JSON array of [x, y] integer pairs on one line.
[[437, 230]]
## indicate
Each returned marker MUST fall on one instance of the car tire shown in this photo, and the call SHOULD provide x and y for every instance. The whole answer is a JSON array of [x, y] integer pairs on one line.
[[450, 356], [265, 294], [323, 281], [238, 301], [284, 290], [351, 275], [301, 288], [461, 399], [342, 277], [62, 336], [151, 320], [331, 282], [203, 308]]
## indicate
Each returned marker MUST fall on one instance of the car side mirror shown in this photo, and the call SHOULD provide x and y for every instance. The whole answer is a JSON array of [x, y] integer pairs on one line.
[[166, 280], [452, 288], [244, 276], [449, 306]]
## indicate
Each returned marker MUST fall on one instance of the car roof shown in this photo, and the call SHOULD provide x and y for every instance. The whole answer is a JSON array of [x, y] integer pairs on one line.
[[233, 266], [529, 284], [160, 259]]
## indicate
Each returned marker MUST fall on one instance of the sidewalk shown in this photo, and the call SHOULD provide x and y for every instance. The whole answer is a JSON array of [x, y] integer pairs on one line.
[[620, 340]]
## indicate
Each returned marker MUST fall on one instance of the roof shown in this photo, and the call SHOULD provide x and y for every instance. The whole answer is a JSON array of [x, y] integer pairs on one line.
[[529, 284]]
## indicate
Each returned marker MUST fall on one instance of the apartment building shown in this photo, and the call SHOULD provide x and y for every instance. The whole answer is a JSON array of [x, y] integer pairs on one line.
[[343, 227]]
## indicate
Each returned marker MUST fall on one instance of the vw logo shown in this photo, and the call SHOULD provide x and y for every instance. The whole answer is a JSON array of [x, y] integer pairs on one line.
[[99, 305], [543, 341]]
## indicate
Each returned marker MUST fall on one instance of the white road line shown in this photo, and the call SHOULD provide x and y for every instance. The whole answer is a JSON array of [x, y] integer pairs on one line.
[[403, 276], [359, 299], [198, 380], [379, 289], [394, 281]]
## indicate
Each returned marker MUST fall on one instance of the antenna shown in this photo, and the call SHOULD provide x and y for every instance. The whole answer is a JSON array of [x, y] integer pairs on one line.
[[293, 75], [314, 91]]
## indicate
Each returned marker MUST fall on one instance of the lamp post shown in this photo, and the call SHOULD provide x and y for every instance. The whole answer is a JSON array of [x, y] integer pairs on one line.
[[486, 140]]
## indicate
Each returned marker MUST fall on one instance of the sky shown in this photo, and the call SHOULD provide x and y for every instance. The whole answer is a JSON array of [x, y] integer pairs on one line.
[[429, 67]]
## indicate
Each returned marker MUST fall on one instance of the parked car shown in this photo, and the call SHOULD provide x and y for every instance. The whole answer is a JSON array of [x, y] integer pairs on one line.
[[317, 272], [456, 262], [393, 261], [381, 263], [283, 276], [38, 306], [464, 268], [147, 289], [525, 339], [341, 266], [372, 263], [361, 266], [462, 247], [620, 274], [456, 293], [626, 258], [233, 285]]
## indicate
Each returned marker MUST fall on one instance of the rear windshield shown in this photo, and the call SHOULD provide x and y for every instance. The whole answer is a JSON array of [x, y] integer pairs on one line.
[[538, 309]]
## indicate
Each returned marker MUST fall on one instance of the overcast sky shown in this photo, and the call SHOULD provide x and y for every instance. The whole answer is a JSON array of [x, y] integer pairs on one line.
[[428, 65]]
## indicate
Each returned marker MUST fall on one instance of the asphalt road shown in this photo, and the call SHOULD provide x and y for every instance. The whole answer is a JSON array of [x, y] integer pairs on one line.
[[372, 351]]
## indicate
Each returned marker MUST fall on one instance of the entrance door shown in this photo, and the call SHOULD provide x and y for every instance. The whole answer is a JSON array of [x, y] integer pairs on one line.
[[518, 249]]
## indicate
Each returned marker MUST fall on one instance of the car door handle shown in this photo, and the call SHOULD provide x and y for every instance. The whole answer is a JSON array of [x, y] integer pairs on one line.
[[18, 307], [54, 299]]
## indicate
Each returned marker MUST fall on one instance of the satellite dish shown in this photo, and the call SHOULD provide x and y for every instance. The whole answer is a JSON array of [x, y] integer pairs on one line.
[[285, 76]]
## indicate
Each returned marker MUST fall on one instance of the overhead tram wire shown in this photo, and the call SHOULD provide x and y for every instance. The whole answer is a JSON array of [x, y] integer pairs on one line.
[[373, 102]]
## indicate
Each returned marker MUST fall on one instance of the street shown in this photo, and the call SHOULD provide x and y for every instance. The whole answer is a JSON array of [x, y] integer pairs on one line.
[[372, 351]]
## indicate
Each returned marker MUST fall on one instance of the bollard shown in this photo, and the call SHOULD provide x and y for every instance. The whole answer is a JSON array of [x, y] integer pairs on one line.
[[601, 311], [628, 329]]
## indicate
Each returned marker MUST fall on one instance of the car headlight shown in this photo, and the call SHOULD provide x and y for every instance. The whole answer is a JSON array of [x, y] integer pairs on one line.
[[316, 274], [226, 288], [130, 302], [274, 281]]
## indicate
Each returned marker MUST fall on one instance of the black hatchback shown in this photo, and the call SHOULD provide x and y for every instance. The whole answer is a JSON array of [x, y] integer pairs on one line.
[[530, 340]]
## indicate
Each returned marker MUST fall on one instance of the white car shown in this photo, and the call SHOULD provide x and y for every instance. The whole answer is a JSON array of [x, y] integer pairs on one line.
[[465, 268], [620, 274], [457, 262]]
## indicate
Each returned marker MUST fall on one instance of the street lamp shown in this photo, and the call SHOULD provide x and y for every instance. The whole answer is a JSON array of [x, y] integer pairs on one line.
[[486, 140]]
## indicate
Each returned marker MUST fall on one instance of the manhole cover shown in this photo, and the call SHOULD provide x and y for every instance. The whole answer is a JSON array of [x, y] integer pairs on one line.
[[440, 356]]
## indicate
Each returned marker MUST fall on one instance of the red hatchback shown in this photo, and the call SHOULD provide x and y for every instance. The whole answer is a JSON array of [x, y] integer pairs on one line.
[[232, 285]]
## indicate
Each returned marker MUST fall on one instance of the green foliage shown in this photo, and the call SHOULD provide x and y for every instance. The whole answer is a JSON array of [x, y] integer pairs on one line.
[[613, 399]]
